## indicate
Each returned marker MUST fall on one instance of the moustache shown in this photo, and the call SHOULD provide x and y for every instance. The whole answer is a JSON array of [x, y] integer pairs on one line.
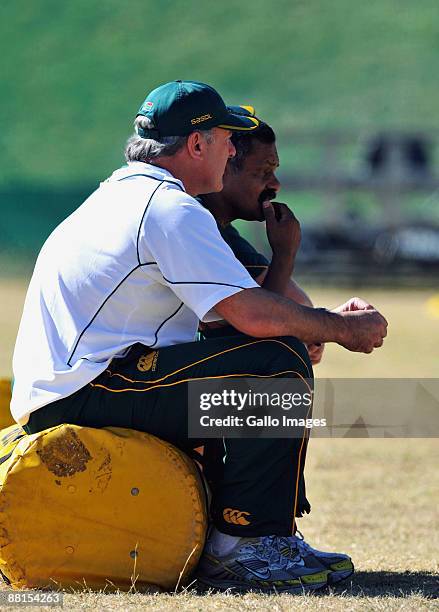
[[267, 194]]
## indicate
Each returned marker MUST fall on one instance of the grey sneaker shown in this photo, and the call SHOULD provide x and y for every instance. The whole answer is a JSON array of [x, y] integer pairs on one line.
[[339, 564], [255, 564]]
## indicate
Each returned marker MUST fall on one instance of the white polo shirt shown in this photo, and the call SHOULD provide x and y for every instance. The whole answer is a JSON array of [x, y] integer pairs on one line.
[[139, 261]]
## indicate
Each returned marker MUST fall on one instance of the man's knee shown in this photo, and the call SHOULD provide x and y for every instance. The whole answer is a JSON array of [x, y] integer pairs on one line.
[[300, 350], [286, 353]]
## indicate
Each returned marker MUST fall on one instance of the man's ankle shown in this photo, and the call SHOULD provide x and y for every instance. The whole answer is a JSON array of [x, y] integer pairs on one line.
[[221, 544]]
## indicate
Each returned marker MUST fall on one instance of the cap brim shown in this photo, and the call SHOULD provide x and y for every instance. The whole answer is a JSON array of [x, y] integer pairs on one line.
[[240, 118], [246, 111]]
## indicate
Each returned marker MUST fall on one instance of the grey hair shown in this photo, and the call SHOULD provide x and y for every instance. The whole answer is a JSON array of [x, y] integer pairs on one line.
[[147, 149]]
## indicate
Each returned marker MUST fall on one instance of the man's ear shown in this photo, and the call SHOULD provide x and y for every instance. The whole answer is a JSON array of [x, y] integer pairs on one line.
[[195, 145]]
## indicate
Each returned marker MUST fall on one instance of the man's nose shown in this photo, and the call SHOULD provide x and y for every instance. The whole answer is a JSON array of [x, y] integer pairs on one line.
[[232, 150], [273, 183]]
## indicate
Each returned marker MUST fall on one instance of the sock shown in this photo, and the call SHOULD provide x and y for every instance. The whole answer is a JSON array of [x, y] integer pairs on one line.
[[222, 543]]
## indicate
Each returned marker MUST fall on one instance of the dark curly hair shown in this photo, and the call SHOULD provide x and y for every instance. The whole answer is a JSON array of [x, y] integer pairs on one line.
[[243, 142]]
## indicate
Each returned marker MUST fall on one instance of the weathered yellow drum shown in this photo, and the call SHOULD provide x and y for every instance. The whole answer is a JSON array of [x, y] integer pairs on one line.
[[5, 397], [98, 508]]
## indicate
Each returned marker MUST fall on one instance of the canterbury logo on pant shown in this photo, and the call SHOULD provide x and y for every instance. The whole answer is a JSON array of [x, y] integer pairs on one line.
[[237, 517]]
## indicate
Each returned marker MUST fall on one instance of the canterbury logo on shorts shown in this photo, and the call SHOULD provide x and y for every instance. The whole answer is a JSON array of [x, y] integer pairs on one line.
[[236, 517], [147, 362]]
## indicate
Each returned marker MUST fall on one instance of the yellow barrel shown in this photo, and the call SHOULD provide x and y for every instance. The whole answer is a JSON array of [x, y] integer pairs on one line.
[[98, 508], [5, 398]]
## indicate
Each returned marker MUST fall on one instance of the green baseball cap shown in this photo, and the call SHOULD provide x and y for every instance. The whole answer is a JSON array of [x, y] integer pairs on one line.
[[181, 107]]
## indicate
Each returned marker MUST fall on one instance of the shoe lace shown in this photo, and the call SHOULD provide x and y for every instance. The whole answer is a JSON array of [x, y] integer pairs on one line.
[[268, 549], [300, 542]]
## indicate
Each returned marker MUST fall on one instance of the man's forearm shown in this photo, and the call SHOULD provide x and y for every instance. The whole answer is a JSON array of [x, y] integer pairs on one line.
[[263, 314], [296, 293], [277, 277]]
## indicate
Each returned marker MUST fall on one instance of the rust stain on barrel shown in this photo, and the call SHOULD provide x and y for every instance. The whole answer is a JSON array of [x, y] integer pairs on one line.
[[66, 455]]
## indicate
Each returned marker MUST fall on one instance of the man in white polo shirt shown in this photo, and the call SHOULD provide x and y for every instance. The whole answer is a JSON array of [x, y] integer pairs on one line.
[[112, 310]]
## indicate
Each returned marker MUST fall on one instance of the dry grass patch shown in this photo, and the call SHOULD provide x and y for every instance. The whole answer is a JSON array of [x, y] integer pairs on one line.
[[375, 499]]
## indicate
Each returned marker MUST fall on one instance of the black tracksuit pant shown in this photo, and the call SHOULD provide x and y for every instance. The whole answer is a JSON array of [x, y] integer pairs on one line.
[[258, 481]]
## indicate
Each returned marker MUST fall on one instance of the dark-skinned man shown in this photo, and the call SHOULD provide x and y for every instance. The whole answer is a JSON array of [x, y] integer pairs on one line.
[[250, 185], [249, 182]]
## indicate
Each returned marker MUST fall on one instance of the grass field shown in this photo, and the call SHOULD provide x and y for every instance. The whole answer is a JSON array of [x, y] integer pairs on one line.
[[376, 499], [315, 65], [308, 67]]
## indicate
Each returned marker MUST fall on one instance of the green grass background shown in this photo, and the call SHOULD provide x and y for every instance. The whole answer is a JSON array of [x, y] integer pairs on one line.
[[73, 75]]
